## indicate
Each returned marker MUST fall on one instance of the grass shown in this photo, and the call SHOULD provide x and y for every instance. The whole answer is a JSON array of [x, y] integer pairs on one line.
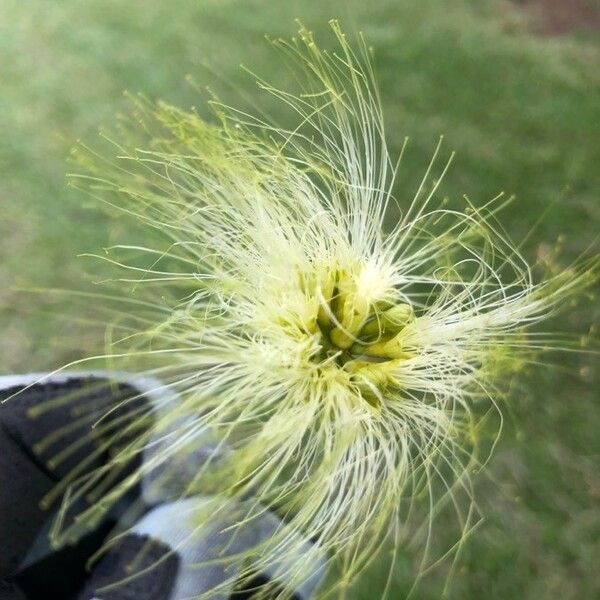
[[520, 111]]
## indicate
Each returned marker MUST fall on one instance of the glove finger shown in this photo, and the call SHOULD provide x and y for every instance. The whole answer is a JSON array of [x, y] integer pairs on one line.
[[46, 435], [59, 421], [22, 484], [209, 557], [153, 563]]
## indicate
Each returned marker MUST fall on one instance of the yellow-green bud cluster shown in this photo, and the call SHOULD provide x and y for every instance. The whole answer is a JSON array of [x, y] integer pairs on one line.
[[364, 337]]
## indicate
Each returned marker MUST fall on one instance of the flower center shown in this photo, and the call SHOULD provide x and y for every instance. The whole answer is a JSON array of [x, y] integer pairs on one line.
[[377, 338], [362, 337]]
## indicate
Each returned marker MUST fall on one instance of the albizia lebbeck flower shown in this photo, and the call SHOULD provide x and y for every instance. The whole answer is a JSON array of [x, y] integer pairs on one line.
[[335, 341]]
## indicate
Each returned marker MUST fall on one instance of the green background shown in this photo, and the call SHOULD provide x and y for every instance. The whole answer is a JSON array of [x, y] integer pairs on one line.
[[521, 110]]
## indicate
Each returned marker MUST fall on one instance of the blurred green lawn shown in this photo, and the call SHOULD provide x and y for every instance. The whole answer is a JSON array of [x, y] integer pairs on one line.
[[523, 114]]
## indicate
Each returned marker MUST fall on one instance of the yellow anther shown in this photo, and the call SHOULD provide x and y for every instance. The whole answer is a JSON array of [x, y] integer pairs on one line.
[[327, 288], [384, 349], [341, 339], [353, 314], [390, 321], [351, 310], [377, 374], [373, 378]]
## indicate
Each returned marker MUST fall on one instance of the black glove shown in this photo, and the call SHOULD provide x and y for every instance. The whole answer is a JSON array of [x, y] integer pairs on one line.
[[52, 419]]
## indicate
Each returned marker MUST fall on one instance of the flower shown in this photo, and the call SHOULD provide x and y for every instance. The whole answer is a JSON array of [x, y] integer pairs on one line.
[[336, 340]]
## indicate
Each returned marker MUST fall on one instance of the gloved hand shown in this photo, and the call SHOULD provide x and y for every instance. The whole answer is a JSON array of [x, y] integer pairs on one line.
[[46, 434]]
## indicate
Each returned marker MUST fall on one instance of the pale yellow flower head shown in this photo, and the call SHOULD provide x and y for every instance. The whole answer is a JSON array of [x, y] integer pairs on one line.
[[334, 336]]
